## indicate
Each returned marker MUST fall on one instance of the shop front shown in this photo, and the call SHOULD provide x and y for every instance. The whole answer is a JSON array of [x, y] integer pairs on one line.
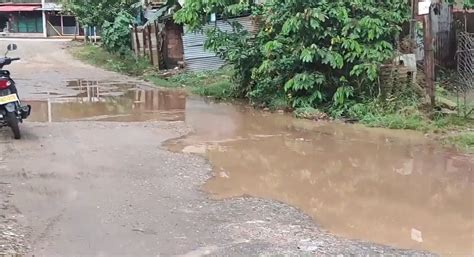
[[24, 20]]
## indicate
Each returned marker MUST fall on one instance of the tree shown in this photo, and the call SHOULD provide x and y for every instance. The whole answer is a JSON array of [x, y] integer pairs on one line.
[[116, 35], [310, 52], [195, 13], [112, 16], [96, 12], [466, 4]]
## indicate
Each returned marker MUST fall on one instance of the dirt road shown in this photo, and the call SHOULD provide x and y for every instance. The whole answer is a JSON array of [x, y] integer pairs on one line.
[[96, 188]]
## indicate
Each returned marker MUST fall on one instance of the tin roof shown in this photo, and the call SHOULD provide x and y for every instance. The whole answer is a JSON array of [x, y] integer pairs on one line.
[[19, 8]]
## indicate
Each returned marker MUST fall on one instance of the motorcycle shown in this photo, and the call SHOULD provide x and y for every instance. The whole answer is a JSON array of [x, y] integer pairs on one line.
[[12, 112]]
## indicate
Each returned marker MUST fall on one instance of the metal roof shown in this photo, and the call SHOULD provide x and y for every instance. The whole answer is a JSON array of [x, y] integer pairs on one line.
[[51, 7], [19, 8]]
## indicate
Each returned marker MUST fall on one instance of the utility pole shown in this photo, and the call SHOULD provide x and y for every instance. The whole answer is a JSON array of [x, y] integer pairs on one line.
[[429, 61], [45, 20]]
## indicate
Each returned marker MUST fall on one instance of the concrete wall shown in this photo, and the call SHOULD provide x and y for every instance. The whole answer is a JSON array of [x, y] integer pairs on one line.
[[22, 35]]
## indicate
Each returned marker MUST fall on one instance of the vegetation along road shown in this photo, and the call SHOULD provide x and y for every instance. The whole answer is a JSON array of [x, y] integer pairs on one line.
[[313, 151], [98, 181]]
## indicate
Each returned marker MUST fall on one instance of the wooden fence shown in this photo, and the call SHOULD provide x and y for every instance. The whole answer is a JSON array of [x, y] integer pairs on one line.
[[147, 41]]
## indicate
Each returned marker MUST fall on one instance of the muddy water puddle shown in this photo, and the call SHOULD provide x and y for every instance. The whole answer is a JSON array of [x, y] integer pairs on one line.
[[390, 187], [108, 101]]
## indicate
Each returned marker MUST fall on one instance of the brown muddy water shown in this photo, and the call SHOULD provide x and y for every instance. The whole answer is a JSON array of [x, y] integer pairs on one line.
[[391, 187], [108, 101]]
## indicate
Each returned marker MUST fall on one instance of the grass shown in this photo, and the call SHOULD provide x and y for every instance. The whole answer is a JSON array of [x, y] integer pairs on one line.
[[279, 103], [407, 113], [396, 121], [419, 122], [161, 82], [219, 90], [463, 141], [218, 85], [309, 113], [97, 56], [215, 84], [388, 115], [413, 117]]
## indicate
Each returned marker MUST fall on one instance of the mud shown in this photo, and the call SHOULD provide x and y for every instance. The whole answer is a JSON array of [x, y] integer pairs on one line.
[[391, 187]]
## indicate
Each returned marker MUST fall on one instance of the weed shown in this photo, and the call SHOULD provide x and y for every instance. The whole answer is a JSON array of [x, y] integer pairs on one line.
[[216, 84], [126, 64], [463, 141], [396, 121], [309, 113], [279, 103], [196, 79], [161, 82], [401, 112], [219, 90]]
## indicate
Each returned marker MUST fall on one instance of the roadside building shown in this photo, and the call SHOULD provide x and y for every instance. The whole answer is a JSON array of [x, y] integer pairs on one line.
[[35, 19]]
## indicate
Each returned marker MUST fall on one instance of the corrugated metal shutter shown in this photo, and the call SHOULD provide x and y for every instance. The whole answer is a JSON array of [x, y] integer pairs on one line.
[[196, 57]]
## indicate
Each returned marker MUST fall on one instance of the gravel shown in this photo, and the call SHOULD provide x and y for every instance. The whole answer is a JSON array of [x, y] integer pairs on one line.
[[113, 188]]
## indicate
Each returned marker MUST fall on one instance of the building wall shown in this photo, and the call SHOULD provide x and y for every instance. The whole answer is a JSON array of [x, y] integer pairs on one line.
[[197, 58], [22, 35], [61, 25], [23, 22], [173, 44], [34, 23]]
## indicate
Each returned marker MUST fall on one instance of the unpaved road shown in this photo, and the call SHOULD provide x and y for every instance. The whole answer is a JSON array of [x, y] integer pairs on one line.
[[111, 189], [46, 65]]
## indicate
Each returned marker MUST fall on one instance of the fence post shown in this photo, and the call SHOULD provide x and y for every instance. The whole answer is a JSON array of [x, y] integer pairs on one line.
[[413, 23], [429, 58], [158, 42], [144, 41], [76, 30], [150, 47], [137, 40]]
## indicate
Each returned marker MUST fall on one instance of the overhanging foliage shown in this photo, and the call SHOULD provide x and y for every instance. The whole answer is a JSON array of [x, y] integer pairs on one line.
[[310, 52]]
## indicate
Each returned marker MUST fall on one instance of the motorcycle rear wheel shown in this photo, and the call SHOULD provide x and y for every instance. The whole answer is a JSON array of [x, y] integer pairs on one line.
[[13, 123]]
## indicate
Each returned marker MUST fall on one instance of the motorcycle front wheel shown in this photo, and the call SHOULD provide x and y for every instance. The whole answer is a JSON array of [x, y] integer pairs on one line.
[[13, 123]]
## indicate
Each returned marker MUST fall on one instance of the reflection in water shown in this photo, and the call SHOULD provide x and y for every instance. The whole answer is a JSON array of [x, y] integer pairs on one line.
[[389, 187], [110, 102]]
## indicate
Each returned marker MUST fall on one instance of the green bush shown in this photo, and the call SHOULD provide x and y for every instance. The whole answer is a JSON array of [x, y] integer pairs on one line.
[[116, 35], [307, 49], [279, 103]]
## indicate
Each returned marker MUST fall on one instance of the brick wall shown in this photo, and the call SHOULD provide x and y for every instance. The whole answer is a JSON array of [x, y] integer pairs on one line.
[[173, 45]]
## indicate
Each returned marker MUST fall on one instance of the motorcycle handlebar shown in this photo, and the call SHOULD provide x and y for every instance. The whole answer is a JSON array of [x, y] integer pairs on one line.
[[15, 59]]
